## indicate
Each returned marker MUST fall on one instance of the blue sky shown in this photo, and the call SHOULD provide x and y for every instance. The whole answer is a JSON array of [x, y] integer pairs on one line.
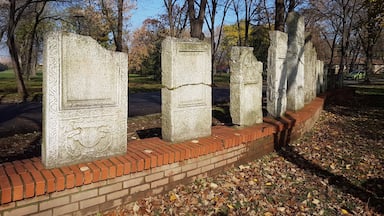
[[152, 8], [146, 9]]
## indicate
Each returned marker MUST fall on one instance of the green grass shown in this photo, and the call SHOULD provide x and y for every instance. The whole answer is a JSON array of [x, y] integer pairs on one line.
[[137, 83], [221, 79], [8, 89], [374, 89]]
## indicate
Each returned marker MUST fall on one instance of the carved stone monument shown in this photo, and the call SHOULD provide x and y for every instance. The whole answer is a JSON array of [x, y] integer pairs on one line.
[[85, 100], [324, 87], [277, 74], [186, 93], [246, 87], [309, 72], [295, 62]]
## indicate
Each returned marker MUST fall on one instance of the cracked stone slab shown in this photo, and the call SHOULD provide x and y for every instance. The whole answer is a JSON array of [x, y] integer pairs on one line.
[[186, 93]]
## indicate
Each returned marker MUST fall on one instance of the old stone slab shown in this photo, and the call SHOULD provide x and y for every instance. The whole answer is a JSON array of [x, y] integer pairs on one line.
[[186, 93], [320, 85], [324, 87], [295, 61], [85, 100], [310, 76], [277, 74], [245, 87]]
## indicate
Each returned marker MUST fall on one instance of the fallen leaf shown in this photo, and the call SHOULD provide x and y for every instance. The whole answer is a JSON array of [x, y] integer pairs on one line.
[[172, 197], [344, 212], [213, 185]]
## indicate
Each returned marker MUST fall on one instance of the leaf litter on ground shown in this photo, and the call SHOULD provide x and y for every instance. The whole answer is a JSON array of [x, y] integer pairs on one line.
[[335, 169]]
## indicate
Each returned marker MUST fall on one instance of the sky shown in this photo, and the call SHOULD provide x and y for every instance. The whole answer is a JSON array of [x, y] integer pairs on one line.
[[152, 8], [146, 9]]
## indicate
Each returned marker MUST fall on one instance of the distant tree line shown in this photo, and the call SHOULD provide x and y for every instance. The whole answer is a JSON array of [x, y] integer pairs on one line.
[[343, 31]]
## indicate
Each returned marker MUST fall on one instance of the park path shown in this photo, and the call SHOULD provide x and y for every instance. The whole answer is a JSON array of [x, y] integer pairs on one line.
[[27, 117]]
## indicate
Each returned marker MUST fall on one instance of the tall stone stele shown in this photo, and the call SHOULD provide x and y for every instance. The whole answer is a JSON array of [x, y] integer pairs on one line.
[[246, 87], [186, 94], [277, 74], [310, 76], [295, 61], [85, 100]]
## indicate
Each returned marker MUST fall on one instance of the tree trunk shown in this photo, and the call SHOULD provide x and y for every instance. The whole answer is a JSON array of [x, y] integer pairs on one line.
[[280, 12], [12, 22], [236, 8], [119, 40], [169, 6], [369, 62], [28, 69], [247, 22], [196, 23], [213, 43], [291, 6]]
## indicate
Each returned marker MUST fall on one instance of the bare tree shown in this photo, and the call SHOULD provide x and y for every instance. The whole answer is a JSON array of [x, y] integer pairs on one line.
[[370, 27], [38, 10], [115, 21], [279, 15], [250, 8], [197, 22], [176, 17], [291, 5], [212, 10], [119, 37], [15, 13], [337, 20]]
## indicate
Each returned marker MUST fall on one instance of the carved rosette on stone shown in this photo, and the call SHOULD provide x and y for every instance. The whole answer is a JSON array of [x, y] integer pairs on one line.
[[85, 103]]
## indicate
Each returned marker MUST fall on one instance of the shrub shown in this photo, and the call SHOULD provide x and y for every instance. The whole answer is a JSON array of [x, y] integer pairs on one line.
[[3, 67]]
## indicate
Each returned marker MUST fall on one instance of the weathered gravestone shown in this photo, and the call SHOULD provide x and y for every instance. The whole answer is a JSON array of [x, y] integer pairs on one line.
[[324, 87], [277, 74], [186, 93], [314, 71], [246, 87], [320, 76], [309, 72], [85, 100], [295, 61]]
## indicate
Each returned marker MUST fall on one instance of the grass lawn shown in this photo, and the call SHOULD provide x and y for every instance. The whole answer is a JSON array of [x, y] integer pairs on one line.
[[8, 89], [373, 89]]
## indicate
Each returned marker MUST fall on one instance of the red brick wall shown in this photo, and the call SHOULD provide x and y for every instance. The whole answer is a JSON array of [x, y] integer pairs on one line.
[[150, 167]]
